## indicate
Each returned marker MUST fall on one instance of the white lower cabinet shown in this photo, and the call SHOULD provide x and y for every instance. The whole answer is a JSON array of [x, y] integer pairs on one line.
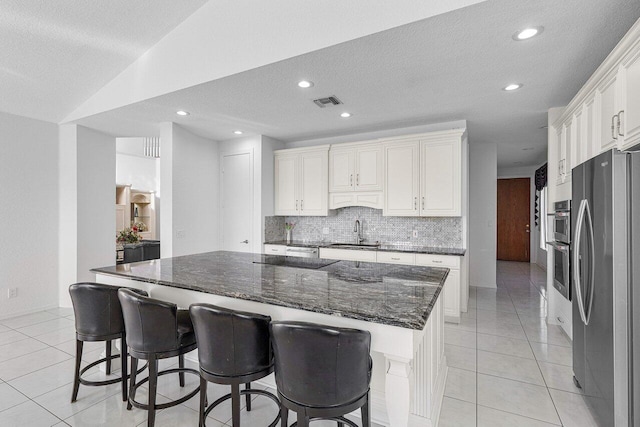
[[275, 249], [452, 287], [348, 255]]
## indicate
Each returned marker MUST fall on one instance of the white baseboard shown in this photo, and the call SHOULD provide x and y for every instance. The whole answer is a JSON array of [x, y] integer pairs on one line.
[[28, 311]]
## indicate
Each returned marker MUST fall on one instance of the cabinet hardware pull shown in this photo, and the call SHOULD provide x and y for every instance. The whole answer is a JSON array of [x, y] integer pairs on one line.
[[613, 127], [415, 203], [395, 259], [620, 113], [274, 250], [422, 202], [351, 179], [357, 179], [437, 262], [301, 205], [245, 241], [296, 205]]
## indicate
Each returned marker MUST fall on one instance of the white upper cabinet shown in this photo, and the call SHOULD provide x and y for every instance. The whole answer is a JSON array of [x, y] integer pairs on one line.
[[369, 162], [423, 177], [301, 177], [606, 100], [355, 168], [402, 178], [605, 113], [629, 114], [441, 178]]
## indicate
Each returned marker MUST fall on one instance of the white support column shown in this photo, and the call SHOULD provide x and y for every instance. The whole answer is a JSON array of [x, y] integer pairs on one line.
[[398, 390]]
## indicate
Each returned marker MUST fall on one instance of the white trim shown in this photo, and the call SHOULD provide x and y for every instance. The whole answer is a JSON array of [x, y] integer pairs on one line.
[[29, 311]]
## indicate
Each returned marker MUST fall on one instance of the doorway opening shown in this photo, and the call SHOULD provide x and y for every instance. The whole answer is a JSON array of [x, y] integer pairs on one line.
[[514, 210]]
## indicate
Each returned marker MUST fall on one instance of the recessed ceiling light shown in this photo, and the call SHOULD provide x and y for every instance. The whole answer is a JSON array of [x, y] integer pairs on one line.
[[512, 86], [345, 115], [182, 113], [305, 84], [527, 33], [237, 132]]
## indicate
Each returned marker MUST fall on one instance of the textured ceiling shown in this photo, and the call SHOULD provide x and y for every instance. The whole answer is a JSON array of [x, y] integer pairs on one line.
[[448, 67], [54, 54]]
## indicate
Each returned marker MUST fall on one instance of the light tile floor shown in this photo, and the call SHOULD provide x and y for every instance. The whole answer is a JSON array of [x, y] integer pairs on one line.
[[507, 366], [37, 354]]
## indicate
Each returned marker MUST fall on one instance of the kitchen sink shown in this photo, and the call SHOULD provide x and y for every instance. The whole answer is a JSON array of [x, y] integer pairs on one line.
[[354, 245]]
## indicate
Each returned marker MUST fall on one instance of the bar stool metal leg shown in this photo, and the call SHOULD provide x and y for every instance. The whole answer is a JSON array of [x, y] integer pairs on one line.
[[108, 352], [76, 377], [247, 386], [132, 384], [153, 386], [284, 416], [181, 365], [203, 400], [235, 404], [123, 366]]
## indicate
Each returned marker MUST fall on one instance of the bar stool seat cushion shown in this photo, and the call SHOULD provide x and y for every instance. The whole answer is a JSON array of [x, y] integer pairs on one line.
[[186, 335]]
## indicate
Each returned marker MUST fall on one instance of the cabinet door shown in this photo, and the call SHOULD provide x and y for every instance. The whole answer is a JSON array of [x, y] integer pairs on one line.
[[606, 97], [402, 178], [286, 176], [568, 140], [314, 193], [452, 296], [561, 155], [589, 128], [577, 145], [440, 178], [630, 95], [369, 169], [341, 170]]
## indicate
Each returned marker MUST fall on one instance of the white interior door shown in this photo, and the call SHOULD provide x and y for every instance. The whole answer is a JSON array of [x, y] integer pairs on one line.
[[237, 202]]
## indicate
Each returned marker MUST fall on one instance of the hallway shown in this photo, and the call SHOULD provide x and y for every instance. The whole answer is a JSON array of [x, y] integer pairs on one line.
[[507, 367]]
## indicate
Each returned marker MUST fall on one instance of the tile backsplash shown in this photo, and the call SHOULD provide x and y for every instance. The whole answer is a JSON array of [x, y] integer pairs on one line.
[[435, 232]]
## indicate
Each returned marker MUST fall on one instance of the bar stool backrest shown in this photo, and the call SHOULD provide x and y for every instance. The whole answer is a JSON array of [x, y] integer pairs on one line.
[[231, 343], [319, 365], [97, 309], [151, 324]]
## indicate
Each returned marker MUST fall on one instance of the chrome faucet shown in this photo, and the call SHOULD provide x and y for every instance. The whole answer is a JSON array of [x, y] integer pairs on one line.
[[358, 229]]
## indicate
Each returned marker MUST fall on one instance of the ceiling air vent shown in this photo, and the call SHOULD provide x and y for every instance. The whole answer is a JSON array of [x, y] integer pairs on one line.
[[327, 102]]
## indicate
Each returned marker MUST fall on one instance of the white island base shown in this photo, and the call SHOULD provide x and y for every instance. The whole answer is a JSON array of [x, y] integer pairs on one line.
[[409, 366]]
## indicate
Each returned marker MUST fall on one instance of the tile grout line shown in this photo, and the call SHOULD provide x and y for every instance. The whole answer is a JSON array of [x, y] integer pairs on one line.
[[539, 369]]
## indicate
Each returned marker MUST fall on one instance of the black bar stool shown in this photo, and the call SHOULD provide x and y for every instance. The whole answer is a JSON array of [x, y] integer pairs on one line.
[[234, 348], [156, 330], [98, 317], [322, 372]]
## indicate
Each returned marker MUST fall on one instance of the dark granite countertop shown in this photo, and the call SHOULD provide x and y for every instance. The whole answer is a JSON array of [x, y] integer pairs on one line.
[[390, 294], [384, 247]]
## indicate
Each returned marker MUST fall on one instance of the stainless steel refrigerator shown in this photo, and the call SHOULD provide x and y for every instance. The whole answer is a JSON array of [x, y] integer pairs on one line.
[[605, 257]]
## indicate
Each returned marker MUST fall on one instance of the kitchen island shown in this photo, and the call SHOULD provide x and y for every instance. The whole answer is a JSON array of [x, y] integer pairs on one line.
[[398, 304]]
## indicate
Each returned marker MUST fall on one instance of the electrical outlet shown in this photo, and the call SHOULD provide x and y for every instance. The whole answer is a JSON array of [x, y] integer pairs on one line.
[[325, 230], [12, 293], [415, 234], [180, 234]]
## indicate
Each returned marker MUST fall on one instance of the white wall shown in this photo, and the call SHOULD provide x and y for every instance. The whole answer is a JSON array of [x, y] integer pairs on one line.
[[87, 196], [29, 214], [189, 171], [483, 180]]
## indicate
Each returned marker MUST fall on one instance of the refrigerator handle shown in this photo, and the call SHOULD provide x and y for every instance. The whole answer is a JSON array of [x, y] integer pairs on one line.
[[591, 263], [576, 261]]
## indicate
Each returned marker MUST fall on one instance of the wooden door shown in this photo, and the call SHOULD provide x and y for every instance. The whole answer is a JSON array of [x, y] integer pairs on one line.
[[513, 219]]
